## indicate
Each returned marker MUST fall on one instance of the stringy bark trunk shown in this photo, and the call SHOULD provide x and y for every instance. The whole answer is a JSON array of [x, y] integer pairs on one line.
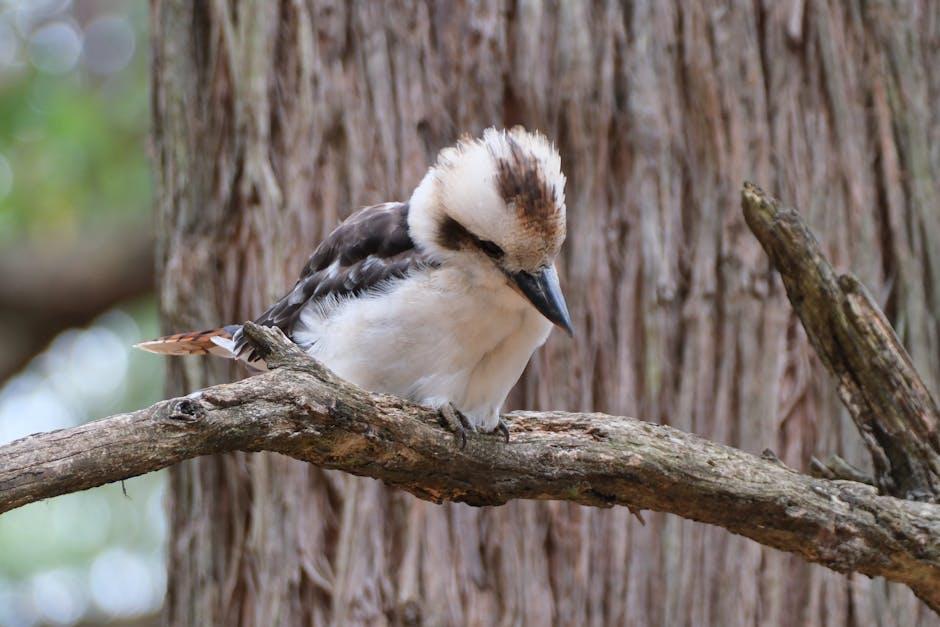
[[274, 120]]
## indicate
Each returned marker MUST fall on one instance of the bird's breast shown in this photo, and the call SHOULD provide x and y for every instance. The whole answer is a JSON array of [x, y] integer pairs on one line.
[[437, 336]]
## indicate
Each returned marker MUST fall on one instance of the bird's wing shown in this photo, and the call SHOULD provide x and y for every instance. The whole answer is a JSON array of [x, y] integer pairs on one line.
[[371, 247]]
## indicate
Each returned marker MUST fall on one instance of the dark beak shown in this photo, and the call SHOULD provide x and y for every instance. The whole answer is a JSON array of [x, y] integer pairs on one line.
[[543, 291]]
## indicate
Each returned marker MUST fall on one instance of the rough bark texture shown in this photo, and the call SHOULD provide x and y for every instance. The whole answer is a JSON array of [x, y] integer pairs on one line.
[[275, 119], [302, 410]]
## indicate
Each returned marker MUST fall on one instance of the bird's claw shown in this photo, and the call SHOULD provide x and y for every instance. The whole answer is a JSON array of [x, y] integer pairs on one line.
[[503, 429], [457, 422], [454, 420]]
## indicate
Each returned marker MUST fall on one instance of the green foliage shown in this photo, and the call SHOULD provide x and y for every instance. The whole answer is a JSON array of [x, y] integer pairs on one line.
[[75, 145]]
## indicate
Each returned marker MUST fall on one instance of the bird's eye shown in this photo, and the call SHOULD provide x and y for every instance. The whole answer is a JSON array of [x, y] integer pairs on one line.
[[491, 249]]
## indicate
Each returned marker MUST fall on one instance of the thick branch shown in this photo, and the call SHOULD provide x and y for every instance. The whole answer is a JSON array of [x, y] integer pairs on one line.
[[47, 289], [302, 410], [889, 402]]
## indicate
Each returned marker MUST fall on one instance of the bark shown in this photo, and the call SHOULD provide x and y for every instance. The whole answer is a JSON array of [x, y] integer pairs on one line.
[[274, 120], [302, 410]]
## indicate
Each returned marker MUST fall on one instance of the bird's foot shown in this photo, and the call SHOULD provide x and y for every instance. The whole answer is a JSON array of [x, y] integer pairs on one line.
[[455, 421], [503, 429]]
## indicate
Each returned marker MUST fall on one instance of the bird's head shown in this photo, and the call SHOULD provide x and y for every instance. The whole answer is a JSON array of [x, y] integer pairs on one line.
[[499, 200]]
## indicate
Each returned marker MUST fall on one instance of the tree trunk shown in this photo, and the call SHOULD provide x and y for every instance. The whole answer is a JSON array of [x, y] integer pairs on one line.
[[274, 120]]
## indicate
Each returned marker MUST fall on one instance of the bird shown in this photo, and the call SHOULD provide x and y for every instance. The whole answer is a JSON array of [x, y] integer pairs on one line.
[[441, 299]]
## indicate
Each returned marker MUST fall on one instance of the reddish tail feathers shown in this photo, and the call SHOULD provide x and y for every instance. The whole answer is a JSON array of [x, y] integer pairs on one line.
[[215, 341]]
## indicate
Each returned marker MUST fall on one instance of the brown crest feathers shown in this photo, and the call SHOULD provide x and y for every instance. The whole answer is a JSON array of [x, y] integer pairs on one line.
[[522, 183]]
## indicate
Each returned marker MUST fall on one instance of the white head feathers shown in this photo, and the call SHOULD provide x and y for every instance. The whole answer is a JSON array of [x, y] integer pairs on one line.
[[501, 195]]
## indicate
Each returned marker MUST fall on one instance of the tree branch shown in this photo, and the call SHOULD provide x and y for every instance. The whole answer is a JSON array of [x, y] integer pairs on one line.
[[47, 289], [302, 410], [891, 406]]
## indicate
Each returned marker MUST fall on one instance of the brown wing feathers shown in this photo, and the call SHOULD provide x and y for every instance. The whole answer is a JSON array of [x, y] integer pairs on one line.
[[360, 252], [371, 247]]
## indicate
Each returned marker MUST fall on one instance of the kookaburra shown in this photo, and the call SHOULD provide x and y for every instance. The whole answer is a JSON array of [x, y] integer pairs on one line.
[[441, 299]]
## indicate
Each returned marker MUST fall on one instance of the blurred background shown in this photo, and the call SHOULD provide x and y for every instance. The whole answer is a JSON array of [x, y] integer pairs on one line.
[[75, 294]]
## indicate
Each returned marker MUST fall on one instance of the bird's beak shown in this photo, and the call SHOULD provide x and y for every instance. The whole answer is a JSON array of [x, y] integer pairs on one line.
[[543, 291]]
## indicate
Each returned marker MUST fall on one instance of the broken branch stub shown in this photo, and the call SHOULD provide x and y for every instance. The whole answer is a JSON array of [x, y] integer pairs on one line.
[[892, 408]]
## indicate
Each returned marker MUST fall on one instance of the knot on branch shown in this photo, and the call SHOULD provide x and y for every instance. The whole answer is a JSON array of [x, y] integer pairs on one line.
[[187, 409]]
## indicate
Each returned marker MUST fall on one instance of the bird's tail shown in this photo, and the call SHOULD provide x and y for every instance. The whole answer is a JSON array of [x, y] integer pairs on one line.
[[214, 341]]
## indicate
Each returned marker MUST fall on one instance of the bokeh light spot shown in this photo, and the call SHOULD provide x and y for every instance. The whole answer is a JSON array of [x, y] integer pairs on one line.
[[123, 584], [55, 47], [109, 44], [29, 13], [27, 408], [9, 44], [59, 596]]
